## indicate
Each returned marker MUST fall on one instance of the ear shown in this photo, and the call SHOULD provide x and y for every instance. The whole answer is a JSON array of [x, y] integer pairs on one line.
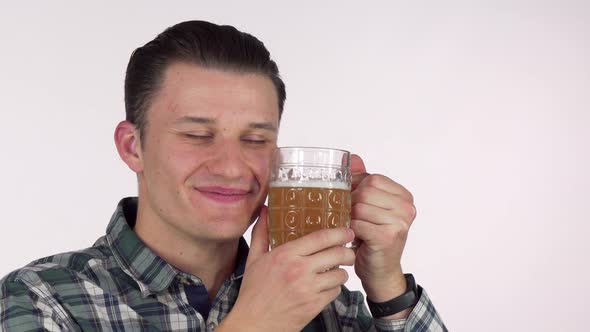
[[128, 145]]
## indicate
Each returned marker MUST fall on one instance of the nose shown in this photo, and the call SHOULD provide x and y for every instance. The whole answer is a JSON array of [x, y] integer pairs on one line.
[[228, 162]]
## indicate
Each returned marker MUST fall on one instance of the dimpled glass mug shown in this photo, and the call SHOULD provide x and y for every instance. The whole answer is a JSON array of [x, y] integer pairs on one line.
[[309, 191]]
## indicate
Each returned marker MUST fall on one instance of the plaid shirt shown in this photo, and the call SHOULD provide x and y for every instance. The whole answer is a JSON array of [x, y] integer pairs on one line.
[[119, 284]]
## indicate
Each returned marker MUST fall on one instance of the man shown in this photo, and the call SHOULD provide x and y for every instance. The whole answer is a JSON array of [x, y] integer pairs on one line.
[[203, 105]]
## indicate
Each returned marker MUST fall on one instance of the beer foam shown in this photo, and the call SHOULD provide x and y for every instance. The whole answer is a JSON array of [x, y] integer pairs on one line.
[[311, 184]]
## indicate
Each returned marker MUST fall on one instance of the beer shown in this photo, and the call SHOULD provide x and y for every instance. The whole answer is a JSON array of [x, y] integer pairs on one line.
[[309, 191], [299, 208]]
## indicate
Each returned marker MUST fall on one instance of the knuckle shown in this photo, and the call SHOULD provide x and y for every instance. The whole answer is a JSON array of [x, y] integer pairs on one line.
[[363, 194], [294, 272], [317, 304], [359, 209], [279, 257], [303, 297], [381, 179], [329, 296], [372, 179], [413, 212], [409, 209], [411, 197], [401, 230], [333, 236], [395, 233], [408, 195]]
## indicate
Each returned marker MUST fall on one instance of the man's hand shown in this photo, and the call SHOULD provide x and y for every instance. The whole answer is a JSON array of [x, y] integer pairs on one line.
[[382, 212], [283, 290]]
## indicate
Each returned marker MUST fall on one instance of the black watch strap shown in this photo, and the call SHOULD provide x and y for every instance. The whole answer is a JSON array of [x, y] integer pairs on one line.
[[406, 300]]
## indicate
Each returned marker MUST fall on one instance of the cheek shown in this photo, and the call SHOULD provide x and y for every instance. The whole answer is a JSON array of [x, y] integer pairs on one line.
[[172, 165], [260, 164]]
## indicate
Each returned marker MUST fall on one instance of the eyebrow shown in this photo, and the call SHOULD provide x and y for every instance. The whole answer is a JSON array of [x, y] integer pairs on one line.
[[263, 125], [202, 120], [194, 119]]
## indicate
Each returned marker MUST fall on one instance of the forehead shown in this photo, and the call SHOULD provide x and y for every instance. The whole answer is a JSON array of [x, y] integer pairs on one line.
[[191, 90]]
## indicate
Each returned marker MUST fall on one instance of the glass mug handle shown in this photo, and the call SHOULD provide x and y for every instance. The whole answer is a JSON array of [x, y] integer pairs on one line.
[[356, 179]]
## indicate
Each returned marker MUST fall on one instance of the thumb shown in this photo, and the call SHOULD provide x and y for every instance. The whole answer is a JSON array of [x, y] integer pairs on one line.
[[357, 165], [358, 170], [259, 237]]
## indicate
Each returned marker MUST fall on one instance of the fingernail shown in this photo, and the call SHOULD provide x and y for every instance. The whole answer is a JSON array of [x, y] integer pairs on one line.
[[350, 233]]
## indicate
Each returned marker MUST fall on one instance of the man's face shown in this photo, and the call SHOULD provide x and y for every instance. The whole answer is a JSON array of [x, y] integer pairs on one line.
[[207, 149]]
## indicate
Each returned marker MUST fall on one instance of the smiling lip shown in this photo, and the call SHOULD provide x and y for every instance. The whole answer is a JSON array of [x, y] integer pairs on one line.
[[223, 194]]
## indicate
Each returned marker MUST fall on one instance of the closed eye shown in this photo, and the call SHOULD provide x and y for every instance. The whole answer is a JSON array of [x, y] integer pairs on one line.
[[198, 136], [254, 141]]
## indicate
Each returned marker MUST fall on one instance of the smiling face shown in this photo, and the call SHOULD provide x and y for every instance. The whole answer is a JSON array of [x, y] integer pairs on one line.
[[206, 157]]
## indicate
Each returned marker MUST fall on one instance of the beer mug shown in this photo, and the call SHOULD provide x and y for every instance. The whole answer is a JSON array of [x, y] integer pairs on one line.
[[309, 190]]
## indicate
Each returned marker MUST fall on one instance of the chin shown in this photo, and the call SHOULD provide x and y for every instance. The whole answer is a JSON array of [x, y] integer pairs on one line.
[[227, 227]]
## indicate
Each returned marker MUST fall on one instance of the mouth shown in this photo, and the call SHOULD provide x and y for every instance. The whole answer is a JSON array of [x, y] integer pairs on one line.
[[224, 194]]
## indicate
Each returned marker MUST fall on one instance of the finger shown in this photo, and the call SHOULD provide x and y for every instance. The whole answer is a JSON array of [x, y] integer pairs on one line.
[[259, 237], [386, 184], [329, 295], [382, 199], [374, 196], [357, 178], [319, 240], [365, 230], [358, 170], [330, 279], [374, 214], [374, 234], [327, 259]]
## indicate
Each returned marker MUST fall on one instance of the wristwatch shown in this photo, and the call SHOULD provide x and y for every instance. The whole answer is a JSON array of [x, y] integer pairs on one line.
[[395, 305]]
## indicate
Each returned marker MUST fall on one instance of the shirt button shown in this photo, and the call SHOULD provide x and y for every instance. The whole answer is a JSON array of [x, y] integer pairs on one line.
[[212, 325]]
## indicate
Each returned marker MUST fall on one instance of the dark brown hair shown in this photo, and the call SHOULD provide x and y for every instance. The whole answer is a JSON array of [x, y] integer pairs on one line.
[[200, 43]]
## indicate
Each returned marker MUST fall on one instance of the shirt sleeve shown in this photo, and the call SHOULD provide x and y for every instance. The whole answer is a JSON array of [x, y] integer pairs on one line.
[[21, 309], [423, 318], [352, 311]]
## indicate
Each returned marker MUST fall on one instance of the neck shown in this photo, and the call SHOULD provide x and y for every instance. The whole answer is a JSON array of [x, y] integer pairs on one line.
[[212, 261]]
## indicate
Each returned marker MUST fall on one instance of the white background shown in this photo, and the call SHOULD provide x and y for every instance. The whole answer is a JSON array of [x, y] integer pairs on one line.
[[480, 108]]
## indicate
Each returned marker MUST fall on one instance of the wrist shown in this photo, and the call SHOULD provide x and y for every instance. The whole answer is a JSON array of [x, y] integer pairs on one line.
[[399, 306], [383, 289]]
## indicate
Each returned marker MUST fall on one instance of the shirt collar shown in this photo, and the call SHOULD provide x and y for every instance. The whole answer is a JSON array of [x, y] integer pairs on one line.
[[151, 272], [242, 257]]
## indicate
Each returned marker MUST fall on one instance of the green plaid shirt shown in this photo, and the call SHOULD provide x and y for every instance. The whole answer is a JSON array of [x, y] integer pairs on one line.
[[119, 284]]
